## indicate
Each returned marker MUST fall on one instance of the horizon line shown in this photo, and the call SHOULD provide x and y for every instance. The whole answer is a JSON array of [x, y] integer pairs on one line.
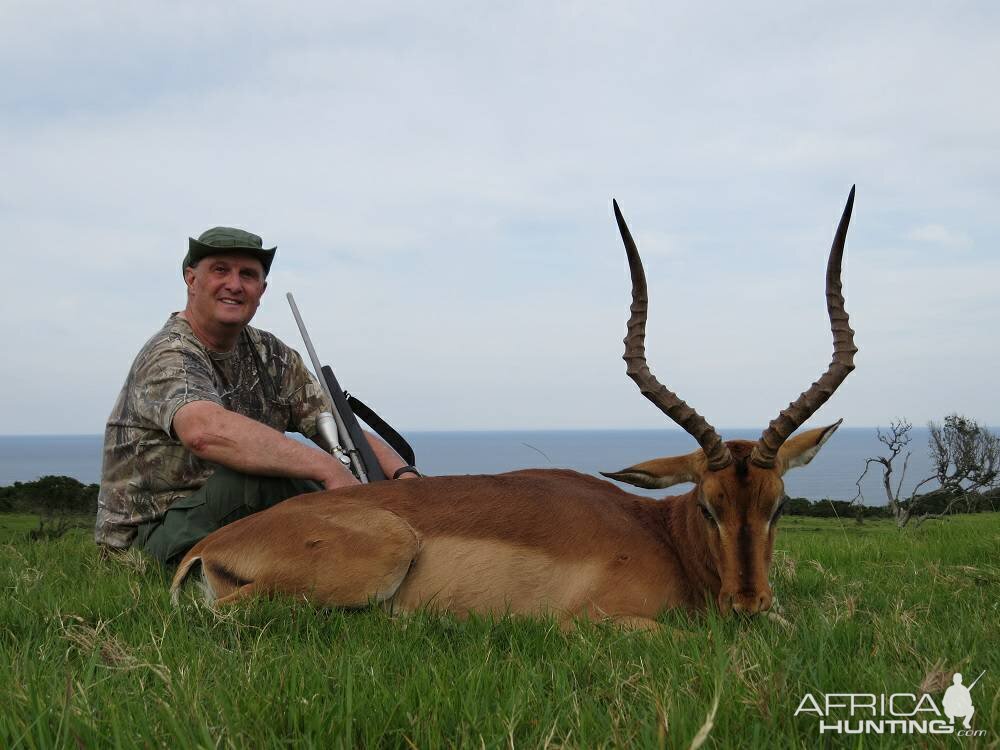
[[437, 430]]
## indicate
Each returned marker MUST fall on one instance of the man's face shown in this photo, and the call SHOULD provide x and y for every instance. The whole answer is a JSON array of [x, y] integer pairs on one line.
[[225, 290]]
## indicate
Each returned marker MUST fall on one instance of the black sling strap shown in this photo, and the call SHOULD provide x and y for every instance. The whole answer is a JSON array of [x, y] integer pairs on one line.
[[382, 428]]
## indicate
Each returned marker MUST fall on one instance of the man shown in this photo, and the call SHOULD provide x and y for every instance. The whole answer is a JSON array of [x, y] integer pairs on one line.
[[196, 438]]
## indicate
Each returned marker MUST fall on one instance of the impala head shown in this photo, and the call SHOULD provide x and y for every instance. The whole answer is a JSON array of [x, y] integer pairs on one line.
[[739, 490]]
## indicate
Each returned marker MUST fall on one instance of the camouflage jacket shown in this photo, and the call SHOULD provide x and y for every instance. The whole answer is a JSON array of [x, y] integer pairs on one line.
[[146, 468]]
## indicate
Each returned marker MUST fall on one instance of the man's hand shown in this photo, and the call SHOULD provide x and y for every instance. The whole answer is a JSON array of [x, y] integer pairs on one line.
[[341, 476], [216, 434]]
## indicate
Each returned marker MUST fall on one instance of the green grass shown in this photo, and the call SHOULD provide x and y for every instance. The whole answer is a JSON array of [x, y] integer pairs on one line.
[[93, 655], [15, 525]]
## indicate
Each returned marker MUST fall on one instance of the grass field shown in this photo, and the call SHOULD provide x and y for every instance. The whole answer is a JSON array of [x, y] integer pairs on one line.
[[93, 655]]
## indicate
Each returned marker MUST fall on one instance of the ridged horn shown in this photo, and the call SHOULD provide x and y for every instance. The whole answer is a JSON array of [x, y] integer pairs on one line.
[[797, 412], [635, 358]]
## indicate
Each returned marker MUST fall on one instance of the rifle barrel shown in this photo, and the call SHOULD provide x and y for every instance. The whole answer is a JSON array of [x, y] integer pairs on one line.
[[345, 437]]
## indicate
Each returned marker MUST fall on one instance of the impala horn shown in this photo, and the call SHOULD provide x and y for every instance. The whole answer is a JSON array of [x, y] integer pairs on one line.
[[667, 401], [797, 412]]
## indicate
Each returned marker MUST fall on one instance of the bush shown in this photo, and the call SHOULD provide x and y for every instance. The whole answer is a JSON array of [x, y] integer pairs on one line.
[[800, 506], [50, 494]]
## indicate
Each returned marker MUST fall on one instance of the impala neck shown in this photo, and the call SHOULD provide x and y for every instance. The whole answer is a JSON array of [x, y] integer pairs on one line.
[[686, 530]]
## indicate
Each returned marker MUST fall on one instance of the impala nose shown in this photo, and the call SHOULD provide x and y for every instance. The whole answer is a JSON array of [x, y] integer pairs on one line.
[[749, 602]]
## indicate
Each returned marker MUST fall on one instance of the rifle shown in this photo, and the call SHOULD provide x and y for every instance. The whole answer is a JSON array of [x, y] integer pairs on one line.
[[341, 429]]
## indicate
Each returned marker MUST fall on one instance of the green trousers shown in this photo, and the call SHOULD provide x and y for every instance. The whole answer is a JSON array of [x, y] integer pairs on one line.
[[226, 497]]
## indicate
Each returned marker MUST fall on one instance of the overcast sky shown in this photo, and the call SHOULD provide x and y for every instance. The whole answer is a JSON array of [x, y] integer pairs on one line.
[[439, 182]]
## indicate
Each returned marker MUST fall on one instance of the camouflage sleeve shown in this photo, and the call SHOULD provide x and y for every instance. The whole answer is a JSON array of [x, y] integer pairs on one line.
[[170, 376], [305, 397]]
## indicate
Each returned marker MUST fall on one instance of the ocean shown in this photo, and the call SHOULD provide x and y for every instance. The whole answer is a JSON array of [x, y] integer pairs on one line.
[[832, 474]]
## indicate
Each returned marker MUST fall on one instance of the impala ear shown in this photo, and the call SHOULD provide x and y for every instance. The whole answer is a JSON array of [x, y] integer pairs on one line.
[[661, 473], [800, 449]]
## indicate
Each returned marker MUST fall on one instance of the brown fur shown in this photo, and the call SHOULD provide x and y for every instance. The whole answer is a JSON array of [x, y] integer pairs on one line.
[[527, 542]]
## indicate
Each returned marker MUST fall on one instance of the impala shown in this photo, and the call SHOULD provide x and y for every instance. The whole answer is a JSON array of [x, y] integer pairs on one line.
[[547, 541]]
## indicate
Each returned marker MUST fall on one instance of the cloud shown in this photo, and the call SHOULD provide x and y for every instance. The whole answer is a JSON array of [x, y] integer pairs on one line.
[[938, 235], [439, 185]]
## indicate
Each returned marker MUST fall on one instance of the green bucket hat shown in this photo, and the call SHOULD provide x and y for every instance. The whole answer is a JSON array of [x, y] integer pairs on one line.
[[219, 240]]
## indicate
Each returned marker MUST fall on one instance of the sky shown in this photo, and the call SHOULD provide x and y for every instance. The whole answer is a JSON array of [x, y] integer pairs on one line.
[[438, 181]]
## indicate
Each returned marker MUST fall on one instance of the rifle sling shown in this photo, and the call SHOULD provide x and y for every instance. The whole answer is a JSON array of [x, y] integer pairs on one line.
[[383, 428]]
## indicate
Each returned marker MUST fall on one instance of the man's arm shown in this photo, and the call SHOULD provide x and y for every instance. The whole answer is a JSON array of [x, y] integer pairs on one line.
[[389, 460], [216, 434]]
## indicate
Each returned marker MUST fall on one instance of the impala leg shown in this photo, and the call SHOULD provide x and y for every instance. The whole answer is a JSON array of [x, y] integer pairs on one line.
[[343, 556], [628, 622], [243, 592], [650, 626]]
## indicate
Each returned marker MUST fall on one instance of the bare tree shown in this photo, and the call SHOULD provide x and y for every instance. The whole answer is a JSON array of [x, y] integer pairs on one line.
[[896, 440], [966, 461]]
